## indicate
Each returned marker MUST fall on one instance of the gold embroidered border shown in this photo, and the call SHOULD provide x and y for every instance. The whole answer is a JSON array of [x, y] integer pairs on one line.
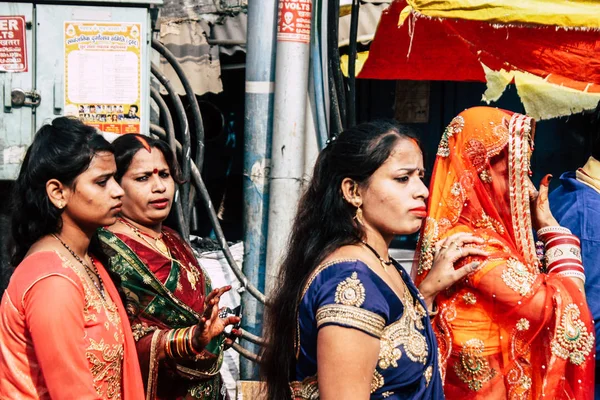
[[518, 167], [153, 370], [311, 278], [351, 316]]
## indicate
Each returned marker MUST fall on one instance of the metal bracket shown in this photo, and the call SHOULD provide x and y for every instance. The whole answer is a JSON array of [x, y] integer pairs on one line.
[[59, 99], [6, 101]]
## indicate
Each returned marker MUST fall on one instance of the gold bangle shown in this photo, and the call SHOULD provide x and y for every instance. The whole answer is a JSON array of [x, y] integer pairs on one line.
[[168, 339], [180, 343]]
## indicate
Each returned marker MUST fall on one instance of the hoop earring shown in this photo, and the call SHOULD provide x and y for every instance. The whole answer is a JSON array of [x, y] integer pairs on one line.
[[359, 216]]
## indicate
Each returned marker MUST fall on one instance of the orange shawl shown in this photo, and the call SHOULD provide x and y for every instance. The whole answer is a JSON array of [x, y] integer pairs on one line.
[[508, 331]]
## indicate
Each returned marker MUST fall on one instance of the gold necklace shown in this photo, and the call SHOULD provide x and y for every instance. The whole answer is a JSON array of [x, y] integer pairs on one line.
[[192, 274], [158, 242]]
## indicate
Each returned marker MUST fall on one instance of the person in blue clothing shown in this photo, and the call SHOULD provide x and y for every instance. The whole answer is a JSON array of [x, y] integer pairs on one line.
[[345, 320], [576, 205]]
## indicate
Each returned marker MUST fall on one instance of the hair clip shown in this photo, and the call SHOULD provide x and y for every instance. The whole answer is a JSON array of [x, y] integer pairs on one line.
[[330, 140]]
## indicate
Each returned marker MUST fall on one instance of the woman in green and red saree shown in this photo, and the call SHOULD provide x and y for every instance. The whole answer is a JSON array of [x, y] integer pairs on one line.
[[171, 306]]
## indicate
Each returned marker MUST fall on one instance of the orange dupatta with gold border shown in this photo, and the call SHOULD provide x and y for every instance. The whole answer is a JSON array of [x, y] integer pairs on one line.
[[507, 331]]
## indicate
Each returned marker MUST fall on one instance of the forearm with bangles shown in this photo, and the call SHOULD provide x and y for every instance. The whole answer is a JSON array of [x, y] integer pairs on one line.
[[179, 343], [563, 252]]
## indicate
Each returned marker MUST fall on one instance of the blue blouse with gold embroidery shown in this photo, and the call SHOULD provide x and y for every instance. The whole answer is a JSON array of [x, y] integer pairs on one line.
[[348, 293]]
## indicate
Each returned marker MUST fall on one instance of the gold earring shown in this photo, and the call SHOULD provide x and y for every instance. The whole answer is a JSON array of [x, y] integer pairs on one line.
[[60, 205], [359, 216]]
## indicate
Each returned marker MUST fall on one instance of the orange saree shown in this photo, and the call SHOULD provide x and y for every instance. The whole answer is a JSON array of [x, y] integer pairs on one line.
[[509, 330]]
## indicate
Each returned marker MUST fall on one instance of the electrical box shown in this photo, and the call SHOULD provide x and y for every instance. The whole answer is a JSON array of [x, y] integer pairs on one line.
[[88, 59]]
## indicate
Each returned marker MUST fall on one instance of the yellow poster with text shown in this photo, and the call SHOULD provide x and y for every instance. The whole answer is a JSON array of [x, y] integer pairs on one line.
[[102, 74]]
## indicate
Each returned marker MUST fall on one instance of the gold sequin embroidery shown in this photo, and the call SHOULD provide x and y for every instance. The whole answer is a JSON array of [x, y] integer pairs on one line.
[[469, 298], [523, 324], [404, 332], [377, 381], [472, 368], [355, 317], [308, 389], [485, 176], [350, 292], [106, 368], [572, 341], [517, 277], [456, 126], [140, 330], [488, 222], [428, 374], [430, 237]]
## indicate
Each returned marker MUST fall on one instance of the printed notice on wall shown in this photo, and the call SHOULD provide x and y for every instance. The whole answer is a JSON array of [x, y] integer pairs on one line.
[[293, 21], [13, 49], [102, 74]]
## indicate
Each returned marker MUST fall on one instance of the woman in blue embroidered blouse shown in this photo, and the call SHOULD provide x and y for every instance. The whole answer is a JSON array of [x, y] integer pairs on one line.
[[345, 321]]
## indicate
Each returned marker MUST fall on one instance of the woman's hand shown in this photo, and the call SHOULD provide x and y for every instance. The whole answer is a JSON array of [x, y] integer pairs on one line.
[[211, 325], [541, 216], [447, 252]]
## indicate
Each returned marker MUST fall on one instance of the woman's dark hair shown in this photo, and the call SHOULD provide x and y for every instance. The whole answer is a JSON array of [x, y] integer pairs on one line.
[[127, 146], [61, 150], [323, 223]]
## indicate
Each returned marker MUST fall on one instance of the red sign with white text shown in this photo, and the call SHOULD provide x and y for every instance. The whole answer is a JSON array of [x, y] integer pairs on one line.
[[13, 49], [293, 19]]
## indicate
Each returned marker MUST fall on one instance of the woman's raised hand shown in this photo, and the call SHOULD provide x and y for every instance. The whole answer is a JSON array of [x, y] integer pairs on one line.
[[211, 324], [541, 216], [447, 252]]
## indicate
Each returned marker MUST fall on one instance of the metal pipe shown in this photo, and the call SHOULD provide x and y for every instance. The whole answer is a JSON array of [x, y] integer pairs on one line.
[[197, 179], [258, 128], [245, 353], [159, 132], [34, 45], [351, 111], [311, 132], [333, 53], [170, 136], [168, 119], [184, 189], [221, 237], [289, 116], [317, 77], [190, 95], [252, 338]]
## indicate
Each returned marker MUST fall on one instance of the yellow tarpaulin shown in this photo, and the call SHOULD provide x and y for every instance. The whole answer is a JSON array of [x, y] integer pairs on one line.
[[541, 99], [567, 13]]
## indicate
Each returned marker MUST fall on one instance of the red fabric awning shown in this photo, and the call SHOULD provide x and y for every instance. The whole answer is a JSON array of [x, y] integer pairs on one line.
[[425, 48]]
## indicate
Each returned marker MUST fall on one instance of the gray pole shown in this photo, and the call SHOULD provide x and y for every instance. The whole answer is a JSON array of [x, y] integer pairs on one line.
[[260, 75], [287, 156]]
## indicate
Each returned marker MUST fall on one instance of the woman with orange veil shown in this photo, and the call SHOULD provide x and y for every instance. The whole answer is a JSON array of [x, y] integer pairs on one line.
[[518, 327]]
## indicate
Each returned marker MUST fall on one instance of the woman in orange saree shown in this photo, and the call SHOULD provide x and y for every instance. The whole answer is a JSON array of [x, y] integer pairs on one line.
[[515, 328]]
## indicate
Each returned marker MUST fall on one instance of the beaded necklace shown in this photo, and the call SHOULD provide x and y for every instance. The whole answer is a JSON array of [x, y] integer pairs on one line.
[[91, 273]]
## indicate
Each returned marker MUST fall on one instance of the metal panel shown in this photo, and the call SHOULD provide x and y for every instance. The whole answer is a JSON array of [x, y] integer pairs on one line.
[[50, 53], [15, 123]]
